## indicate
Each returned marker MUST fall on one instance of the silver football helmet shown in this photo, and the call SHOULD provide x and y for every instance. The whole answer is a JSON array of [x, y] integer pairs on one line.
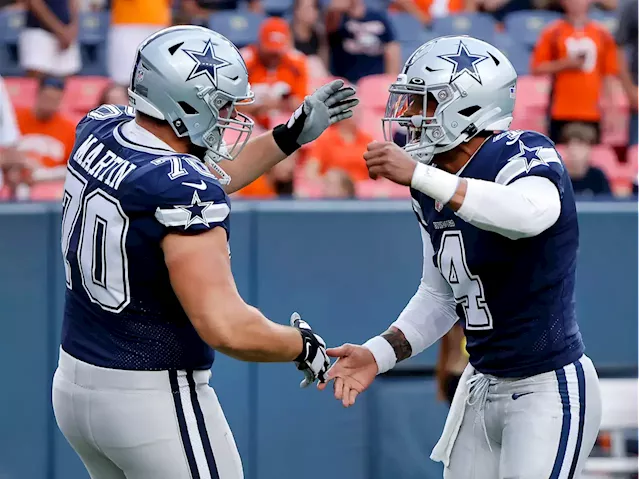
[[472, 84], [193, 78]]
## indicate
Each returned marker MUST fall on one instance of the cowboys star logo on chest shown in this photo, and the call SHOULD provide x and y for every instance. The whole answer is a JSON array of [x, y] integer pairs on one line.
[[207, 63]]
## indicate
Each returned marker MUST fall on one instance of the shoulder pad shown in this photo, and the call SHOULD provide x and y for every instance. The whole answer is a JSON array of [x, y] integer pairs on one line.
[[527, 153], [185, 194]]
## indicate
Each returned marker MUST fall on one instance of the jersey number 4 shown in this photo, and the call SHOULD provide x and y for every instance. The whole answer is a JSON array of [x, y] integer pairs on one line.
[[99, 245], [467, 288]]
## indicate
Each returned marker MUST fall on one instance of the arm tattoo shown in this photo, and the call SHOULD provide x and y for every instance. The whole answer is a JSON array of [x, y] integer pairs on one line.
[[398, 342]]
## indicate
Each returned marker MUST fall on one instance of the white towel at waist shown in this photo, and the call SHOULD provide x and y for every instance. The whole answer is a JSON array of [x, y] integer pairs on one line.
[[442, 450]]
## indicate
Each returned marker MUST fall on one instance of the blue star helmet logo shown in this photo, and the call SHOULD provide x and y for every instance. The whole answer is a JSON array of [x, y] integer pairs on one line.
[[207, 63], [464, 62], [530, 156]]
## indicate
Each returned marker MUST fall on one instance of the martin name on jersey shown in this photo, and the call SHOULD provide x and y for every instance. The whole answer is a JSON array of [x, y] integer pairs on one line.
[[121, 197], [514, 297]]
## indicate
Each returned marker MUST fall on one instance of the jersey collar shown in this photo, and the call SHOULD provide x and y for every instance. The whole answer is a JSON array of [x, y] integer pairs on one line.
[[136, 134]]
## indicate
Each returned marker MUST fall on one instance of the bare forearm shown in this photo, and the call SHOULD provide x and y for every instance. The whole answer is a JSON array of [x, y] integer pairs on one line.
[[398, 342], [392, 58], [258, 157], [250, 336], [625, 74], [549, 68]]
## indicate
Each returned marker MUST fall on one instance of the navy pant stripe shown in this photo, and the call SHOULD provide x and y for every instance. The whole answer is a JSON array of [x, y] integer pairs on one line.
[[583, 402], [184, 432], [202, 428], [566, 422]]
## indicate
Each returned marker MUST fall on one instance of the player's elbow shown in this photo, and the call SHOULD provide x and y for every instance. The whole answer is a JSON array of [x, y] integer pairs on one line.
[[230, 327]]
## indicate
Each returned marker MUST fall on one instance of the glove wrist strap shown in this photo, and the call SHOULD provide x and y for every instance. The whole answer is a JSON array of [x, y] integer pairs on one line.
[[306, 337], [285, 139]]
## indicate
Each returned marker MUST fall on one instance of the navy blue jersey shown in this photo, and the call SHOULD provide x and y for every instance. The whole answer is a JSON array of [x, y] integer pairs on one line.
[[357, 46], [516, 297], [121, 197], [60, 9]]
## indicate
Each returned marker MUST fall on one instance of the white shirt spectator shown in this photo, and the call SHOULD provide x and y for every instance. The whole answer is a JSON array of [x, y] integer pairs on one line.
[[9, 132]]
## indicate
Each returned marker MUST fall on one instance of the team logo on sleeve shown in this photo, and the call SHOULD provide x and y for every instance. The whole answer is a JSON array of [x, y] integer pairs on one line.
[[196, 211], [530, 156], [464, 62], [207, 63]]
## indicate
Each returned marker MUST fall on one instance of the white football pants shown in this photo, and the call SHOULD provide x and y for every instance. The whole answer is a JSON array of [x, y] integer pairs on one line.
[[143, 424], [543, 426]]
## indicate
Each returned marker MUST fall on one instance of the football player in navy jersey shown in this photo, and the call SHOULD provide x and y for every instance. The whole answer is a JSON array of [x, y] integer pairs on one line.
[[500, 235], [150, 293]]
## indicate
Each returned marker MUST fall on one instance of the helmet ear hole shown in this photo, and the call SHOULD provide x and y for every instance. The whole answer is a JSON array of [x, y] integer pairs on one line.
[[469, 111], [188, 109]]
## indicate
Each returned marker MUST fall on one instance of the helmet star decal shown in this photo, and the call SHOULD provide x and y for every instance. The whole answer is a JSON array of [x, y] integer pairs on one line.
[[464, 62], [207, 63]]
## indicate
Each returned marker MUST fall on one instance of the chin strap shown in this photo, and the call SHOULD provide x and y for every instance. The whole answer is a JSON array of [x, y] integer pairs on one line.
[[211, 159]]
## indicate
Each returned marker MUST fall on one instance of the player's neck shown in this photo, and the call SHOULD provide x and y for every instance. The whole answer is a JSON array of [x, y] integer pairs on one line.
[[165, 133], [578, 20], [453, 161]]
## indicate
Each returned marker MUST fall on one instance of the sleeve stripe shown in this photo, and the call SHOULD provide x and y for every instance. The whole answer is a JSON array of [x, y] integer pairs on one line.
[[214, 213], [517, 166], [418, 211]]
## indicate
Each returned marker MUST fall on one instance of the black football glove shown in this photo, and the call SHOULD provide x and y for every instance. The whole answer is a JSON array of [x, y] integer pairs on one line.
[[313, 360], [329, 104]]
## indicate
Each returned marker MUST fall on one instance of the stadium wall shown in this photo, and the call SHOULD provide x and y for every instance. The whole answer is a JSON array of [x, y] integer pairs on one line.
[[347, 267]]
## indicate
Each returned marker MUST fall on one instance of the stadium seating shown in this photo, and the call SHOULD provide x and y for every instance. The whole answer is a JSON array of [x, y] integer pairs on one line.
[[317, 82], [82, 93], [22, 91], [517, 52], [374, 92], [532, 92], [406, 27], [277, 8], [479, 25], [371, 122], [47, 191], [92, 36], [11, 22], [534, 120], [239, 27], [380, 188], [526, 25], [608, 19], [603, 157]]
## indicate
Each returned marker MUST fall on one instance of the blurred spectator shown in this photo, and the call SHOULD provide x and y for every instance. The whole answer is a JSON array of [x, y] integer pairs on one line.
[[199, 11], [452, 359], [361, 41], [277, 73], [501, 8], [8, 3], [114, 94], [340, 147], [338, 184], [48, 43], [47, 135], [627, 41], [309, 36], [426, 10], [276, 182], [11, 161], [586, 179], [581, 55], [132, 21]]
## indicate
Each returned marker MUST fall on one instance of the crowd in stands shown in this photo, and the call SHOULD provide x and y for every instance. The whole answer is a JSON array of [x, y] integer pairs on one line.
[[577, 60]]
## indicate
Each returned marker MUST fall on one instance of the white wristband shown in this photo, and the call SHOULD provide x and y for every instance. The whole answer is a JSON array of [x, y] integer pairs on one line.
[[435, 183], [383, 353]]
